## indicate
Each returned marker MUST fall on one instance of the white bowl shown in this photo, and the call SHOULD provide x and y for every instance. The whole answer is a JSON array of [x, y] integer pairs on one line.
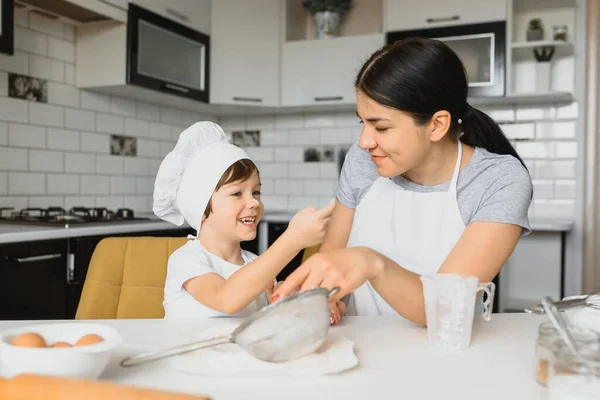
[[78, 362]]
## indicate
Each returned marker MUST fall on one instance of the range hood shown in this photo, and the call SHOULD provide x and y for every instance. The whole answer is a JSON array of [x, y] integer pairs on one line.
[[76, 11]]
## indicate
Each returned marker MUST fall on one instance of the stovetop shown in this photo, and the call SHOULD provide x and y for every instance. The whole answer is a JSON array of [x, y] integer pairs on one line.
[[57, 216]]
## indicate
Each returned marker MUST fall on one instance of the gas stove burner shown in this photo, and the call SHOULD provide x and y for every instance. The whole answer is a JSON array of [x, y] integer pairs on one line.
[[58, 215]]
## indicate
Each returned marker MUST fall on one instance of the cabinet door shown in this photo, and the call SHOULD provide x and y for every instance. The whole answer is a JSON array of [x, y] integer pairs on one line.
[[33, 280], [246, 52], [323, 71], [403, 15], [193, 13]]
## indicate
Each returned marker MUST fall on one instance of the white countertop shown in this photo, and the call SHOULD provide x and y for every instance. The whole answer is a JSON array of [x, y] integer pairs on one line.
[[395, 363]]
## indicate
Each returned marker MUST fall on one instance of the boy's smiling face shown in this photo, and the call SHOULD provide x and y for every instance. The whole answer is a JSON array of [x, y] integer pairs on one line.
[[236, 210]]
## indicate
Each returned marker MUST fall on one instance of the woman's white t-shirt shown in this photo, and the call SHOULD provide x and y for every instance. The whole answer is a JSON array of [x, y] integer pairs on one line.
[[192, 260]]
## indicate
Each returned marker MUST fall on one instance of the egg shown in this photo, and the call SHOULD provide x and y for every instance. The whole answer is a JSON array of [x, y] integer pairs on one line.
[[29, 339], [89, 339], [61, 345]]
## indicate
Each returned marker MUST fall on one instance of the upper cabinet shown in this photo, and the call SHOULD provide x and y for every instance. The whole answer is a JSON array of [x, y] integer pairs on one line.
[[194, 14], [322, 72], [404, 15], [246, 52]]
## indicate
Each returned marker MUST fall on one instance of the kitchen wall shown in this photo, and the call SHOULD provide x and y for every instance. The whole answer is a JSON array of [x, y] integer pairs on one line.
[[544, 136], [58, 153]]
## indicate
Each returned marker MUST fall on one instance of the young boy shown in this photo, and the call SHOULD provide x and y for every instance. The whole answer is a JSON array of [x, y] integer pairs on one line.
[[215, 188]]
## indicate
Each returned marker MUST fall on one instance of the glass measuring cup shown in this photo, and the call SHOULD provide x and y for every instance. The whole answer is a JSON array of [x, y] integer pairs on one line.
[[450, 308]]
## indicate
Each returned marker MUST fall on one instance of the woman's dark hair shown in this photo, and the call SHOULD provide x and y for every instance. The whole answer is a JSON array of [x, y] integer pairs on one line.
[[422, 76]]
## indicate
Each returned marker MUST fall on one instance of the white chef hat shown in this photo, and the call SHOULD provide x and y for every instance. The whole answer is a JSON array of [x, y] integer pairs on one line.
[[188, 175]]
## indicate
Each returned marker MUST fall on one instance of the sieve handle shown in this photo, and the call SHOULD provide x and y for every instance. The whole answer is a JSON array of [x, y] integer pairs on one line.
[[333, 291], [173, 351]]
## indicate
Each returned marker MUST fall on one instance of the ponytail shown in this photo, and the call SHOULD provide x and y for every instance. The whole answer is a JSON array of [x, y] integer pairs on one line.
[[479, 130]]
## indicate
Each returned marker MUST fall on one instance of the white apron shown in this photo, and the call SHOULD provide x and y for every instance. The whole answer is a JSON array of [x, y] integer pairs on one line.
[[416, 230]]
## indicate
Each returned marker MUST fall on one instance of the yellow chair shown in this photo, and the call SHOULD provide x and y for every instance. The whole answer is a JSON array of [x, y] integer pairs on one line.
[[309, 251], [126, 278]]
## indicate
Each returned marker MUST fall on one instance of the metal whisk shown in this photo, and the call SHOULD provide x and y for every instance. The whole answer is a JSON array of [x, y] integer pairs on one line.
[[591, 300]]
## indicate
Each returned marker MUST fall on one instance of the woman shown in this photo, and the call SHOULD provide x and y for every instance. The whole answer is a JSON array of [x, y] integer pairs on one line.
[[433, 186]]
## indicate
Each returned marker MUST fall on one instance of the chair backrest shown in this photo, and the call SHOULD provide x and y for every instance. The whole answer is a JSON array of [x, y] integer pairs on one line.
[[309, 251], [126, 278]]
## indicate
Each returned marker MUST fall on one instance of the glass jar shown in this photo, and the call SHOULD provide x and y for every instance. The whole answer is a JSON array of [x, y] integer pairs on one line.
[[547, 335], [572, 378]]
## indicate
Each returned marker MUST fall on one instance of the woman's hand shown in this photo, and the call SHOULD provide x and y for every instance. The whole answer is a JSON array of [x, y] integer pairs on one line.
[[345, 268]]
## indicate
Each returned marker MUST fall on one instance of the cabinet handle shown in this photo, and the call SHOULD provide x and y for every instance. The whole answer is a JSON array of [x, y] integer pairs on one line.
[[43, 257], [443, 19], [175, 88], [248, 99], [332, 98], [174, 13]]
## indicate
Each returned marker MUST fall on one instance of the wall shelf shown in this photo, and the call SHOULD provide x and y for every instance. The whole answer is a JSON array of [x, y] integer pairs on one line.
[[524, 99], [562, 48]]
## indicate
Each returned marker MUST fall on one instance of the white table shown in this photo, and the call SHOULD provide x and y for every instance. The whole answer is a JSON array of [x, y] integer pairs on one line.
[[395, 363]]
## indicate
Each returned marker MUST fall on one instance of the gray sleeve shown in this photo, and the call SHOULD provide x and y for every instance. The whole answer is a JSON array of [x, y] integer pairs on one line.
[[357, 175], [508, 197]]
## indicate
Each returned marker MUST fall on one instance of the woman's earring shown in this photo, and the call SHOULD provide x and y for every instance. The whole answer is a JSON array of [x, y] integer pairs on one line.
[[460, 121]]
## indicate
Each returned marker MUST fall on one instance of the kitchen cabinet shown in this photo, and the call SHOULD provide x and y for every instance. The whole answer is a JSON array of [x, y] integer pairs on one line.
[[7, 27], [82, 11], [33, 280], [194, 14], [246, 52], [404, 15], [322, 72]]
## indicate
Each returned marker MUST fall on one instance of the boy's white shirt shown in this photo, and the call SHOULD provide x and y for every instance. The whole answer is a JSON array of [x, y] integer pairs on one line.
[[192, 260]]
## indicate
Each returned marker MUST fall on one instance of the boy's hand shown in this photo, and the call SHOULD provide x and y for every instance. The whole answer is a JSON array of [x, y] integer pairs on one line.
[[337, 310], [309, 225]]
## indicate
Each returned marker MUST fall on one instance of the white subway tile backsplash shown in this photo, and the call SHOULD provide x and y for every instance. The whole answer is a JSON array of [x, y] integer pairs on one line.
[[288, 187], [553, 209], [21, 183], [260, 154], [500, 113], [166, 148], [289, 121], [13, 109], [148, 148], [564, 189], [310, 137], [95, 142], [152, 166], [566, 149], [122, 106], [3, 133], [17, 63], [12, 159], [136, 127], [79, 201], [3, 84], [80, 163], [139, 203], [61, 139], [336, 136], [274, 138], [93, 184], [80, 119], [15, 202], [568, 111], [519, 131], [304, 170], [261, 122], [46, 114], [289, 154], [62, 184], [46, 201], [267, 186], [70, 74], [275, 203], [170, 115], [555, 130], [26, 136], [543, 189], [273, 170], [535, 113], [63, 50], [136, 166], [144, 185], [232, 123], [95, 101], [46, 68], [176, 132], [159, 131], [110, 165], [346, 119], [46, 25], [122, 185], [320, 187], [43, 160], [21, 17], [296, 203], [70, 33], [148, 111], [30, 41], [319, 120], [3, 183], [535, 149], [110, 123], [328, 170], [555, 169], [110, 202], [65, 95]]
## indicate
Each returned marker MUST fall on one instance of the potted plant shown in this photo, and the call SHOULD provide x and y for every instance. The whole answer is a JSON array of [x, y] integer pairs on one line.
[[327, 15], [535, 31]]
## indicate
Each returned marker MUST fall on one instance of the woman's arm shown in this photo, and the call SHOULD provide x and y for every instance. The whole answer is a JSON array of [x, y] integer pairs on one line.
[[339, 227]]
